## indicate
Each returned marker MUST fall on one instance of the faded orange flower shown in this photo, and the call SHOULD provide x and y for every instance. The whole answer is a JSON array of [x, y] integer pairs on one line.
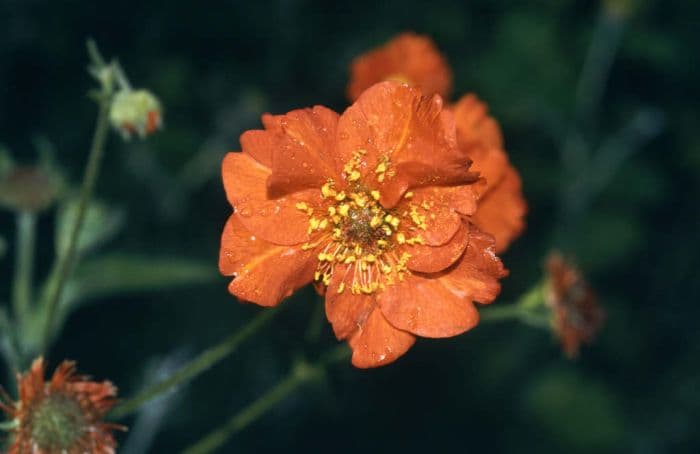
[[63, 415], [407, 58], [577, 315], [501, 207], [373, 206]]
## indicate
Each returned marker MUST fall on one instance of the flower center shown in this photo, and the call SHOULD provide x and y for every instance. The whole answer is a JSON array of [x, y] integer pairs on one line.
[[357, 232], [57, 423]]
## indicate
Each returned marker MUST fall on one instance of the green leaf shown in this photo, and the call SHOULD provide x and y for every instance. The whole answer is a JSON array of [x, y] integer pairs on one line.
[[122, 273], [101, 224]]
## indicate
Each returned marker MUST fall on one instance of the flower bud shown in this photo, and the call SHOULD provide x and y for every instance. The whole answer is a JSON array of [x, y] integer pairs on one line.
[[31, 189], [135, 112], [577, 316]]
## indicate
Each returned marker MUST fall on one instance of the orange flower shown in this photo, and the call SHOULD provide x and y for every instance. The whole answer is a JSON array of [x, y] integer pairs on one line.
[[408, 58], [501, 207], [373, 205], [577, 315], [63, 415]]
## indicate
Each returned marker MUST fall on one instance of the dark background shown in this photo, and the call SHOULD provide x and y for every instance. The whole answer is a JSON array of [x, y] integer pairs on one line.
[[502, 387]]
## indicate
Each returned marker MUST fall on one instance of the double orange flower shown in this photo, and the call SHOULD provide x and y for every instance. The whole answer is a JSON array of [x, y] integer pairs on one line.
[[395, 209]]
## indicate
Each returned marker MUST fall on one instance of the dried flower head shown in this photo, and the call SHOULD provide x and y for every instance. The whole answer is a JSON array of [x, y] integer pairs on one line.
[[135, 112], [577, 315], [374, 206], [502, 207], [30, 189], [408, 58], [63, 415]]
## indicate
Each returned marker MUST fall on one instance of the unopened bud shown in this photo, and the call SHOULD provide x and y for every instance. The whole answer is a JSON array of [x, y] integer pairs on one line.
[[135, 112]]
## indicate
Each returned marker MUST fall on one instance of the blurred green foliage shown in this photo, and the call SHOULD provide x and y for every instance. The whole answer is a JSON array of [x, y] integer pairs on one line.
[[217, 66]]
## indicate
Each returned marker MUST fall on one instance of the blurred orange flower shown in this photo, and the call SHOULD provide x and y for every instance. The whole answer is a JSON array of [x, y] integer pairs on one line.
[[577, 315], [373, 205], [501, 207], [63, 415], [407, 58]]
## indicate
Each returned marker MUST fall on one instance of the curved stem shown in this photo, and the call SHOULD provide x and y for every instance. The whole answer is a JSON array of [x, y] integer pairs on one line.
[[200, 364], [513, 311], [65, 261], [24, 263], [299, 375]]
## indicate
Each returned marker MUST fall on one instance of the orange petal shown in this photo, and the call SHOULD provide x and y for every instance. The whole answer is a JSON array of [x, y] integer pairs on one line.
[[245, 184], [441, 304], [431, 259], [345, 310], [423, 306], [474, 124], [411, 134], [475, 276], [303, 146], [502, 209], [377, 343], [264, 273], [409, 58], [479, 136]]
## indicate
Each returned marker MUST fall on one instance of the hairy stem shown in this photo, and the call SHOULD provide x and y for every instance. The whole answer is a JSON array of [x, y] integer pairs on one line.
[[302, 373], [24, 264], [65, 260]]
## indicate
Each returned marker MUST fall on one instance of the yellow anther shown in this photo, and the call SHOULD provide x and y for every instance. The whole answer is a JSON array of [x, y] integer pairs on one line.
[[386, 229], [323, 224], [386, 269], [358, 250], [375, 222], [376, 195], [408, 195], [343, 209], [415, 240], [306, 246], [354, 175], [363, 265], [337, 233], [388, 218], [331, 211], [349, 259], [382, 243], [321, 256], [341, 287], [327, 190], [340, 196], [301, 206], [360, 201], [400, 238], [317, 275], [370, 258], [313, 223], [380, 178], [395, 222], [326, 279], [381, 167]]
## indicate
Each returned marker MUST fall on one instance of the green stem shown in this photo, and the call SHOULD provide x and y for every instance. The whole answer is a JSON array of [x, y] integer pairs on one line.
[[65, 261], [200, 364], [315, 327], [501, 312], [9, 426], [302, 373], [24, 263]]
